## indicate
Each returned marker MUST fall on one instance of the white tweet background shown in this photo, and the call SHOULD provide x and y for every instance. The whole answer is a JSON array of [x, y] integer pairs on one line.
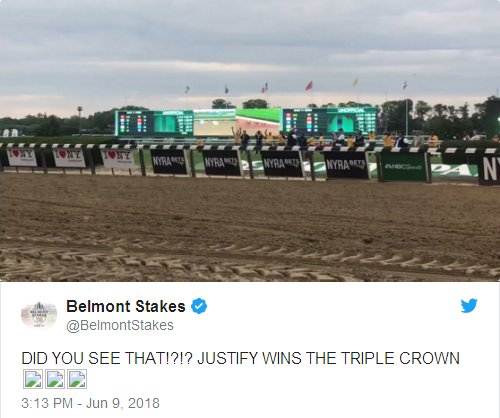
[[266, 317]]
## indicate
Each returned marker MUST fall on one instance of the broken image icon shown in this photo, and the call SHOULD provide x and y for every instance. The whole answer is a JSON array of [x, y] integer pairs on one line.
[[32, 379], [77, 379]]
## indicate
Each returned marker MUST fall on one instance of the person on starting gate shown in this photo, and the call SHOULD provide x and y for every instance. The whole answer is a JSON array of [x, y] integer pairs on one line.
[[388, 141], [245, 139], [236, 136], [269, 138]]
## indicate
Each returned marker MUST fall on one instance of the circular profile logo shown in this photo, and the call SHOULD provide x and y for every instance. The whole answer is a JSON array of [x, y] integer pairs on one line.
[[39, 315]]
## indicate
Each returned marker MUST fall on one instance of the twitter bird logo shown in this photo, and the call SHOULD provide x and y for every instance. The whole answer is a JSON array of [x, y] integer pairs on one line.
[[469, 306]]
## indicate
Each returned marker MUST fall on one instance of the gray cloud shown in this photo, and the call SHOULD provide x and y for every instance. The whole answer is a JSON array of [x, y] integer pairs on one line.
[[56, 53]]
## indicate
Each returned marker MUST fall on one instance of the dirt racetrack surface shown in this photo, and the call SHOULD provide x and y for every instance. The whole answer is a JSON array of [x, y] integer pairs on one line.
[[92, 228]]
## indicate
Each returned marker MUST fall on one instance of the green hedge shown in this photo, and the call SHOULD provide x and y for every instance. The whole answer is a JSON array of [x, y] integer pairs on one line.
[[62, 140], [469, 144]]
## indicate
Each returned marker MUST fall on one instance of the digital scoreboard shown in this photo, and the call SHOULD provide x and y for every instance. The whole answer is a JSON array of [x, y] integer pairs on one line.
[[134, 123], [323, 121], [307, 121], [362, 119], [154, 123], [222, 122]]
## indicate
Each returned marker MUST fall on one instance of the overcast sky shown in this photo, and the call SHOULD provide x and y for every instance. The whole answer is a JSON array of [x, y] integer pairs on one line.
[[59, 54]]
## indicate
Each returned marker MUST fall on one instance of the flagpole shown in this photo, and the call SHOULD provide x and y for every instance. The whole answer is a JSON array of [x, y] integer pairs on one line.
[[385, 115], [407, 117], [405, 85]]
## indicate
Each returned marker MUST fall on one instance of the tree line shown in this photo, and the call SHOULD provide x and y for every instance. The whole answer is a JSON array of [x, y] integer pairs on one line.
[[446, 121]]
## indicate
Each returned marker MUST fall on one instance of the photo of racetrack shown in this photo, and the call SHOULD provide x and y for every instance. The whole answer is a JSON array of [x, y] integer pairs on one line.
[[130, 228], [208, 142]]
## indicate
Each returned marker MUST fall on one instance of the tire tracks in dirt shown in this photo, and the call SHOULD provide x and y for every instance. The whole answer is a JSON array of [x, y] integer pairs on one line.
[[58, 259]]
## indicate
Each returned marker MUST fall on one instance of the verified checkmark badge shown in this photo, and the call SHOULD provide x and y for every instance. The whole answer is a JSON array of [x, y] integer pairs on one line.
[[199, 306]]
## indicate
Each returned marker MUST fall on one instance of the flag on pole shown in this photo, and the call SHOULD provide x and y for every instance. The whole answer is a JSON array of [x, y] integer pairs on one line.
[[226, 90], [264, 89], [355, 82], [187, 89], [309, 86], [405, 84]]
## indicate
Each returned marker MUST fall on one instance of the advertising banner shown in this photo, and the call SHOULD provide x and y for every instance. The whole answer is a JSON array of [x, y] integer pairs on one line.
[[346, 165], [282, 163], [222, 163], [118, 159], [69, 158], [404, 167], [22, 157], [488, 169], [169, 161]]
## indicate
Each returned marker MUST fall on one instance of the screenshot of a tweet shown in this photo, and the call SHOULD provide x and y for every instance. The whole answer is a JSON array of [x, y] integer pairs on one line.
[[249, 349], [249, 209]]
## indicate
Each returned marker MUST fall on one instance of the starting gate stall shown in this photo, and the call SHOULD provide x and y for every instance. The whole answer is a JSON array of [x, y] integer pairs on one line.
[[396, 164]]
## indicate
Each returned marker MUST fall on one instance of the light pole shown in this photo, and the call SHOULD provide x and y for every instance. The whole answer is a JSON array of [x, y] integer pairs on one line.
[[79, 108]]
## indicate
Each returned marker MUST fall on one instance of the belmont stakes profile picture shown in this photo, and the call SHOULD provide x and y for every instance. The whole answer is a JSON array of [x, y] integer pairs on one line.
[[39, 315]]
